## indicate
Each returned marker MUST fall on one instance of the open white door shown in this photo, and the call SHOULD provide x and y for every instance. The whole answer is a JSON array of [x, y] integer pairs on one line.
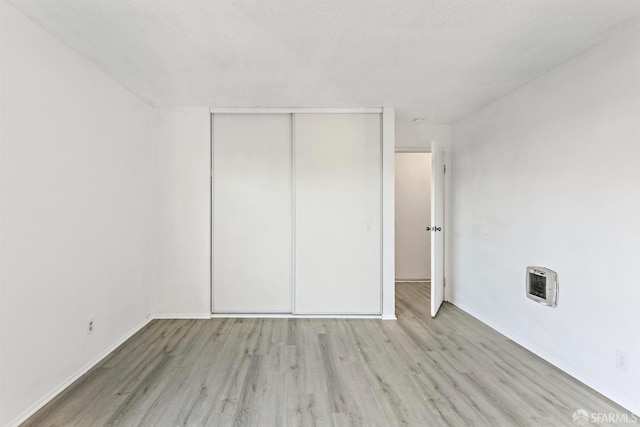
[[437, 227]]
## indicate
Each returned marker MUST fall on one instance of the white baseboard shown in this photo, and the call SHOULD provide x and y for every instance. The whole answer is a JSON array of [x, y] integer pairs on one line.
[[269, 316], [625, 403], [413, 280], [292, 316], [182, 316], [46, 399]]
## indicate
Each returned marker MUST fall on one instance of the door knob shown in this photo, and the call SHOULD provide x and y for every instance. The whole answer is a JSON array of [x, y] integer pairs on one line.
[[428, 228]]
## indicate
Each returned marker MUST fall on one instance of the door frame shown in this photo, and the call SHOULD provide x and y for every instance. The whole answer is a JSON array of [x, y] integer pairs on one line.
[[447, 208], [387, 255]]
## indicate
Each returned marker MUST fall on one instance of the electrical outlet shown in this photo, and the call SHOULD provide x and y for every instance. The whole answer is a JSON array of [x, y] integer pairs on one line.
[[622, 360], [91, 326]]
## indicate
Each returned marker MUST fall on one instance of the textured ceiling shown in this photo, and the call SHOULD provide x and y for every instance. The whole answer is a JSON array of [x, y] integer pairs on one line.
[[437, 59]]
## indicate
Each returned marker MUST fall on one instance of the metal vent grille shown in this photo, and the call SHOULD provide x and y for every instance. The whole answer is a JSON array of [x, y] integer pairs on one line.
[[538, 285], [542, 285]]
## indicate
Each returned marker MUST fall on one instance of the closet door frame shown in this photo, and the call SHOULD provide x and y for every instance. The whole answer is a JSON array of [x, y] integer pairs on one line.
[[387, 120]]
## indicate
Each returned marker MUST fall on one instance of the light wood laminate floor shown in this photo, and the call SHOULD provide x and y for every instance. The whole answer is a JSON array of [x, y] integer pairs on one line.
[[416, 371]]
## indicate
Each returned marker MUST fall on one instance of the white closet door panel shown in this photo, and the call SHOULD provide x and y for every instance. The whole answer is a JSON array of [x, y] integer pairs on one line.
[[252, 213], [338, 213]]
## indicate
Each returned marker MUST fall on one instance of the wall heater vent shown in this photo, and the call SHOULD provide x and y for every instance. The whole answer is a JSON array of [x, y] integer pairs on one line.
[[542, 285]]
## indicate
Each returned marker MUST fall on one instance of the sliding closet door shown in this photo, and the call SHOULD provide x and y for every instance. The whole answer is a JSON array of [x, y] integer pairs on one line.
[[252, 213], [338, 213]]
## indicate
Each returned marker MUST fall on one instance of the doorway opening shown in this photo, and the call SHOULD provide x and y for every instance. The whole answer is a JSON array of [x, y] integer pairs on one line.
[[413, 219], [419, 227]]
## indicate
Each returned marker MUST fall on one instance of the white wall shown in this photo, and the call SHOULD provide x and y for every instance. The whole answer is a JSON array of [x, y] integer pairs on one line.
[[548, 175], [182, 286], [76, 214], [410, 135], [413, 215]]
